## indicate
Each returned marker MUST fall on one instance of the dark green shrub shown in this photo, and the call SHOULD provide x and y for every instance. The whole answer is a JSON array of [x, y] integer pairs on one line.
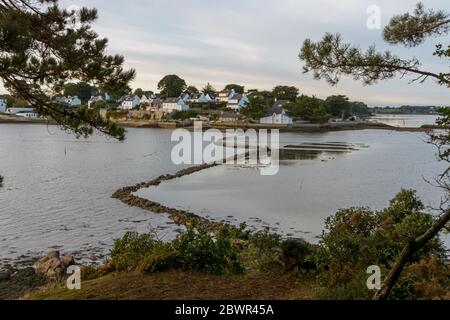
[[129, 251], [199, 250], [262, 252], [196, 249], [183, 115], [161, 257], [297, 253], [357, 238]]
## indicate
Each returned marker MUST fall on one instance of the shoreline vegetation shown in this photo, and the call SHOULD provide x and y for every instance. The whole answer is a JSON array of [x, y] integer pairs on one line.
[[324, 127], [266, 258], [236, 263]]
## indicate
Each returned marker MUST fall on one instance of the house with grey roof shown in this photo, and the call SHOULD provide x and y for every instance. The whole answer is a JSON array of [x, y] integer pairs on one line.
[[170, 105], [130, 102], [237, 101], [276, 115]]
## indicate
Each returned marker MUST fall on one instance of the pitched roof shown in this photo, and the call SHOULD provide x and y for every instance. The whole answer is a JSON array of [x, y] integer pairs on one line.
[[280, 103], [237, 96], [196, 95], [274, 110], [171, 100]]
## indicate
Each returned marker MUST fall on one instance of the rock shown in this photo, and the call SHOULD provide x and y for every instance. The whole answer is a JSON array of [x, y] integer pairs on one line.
[[52, 266], [68, 261], [53, 254]]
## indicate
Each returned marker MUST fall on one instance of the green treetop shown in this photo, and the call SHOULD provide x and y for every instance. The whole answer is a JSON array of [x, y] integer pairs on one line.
[[44, 47], [172, 86]]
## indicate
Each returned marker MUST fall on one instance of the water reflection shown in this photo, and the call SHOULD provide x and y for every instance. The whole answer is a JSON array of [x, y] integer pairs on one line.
[[315, 150]]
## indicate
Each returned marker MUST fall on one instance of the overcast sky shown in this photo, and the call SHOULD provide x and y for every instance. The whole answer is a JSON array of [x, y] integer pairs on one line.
[[256, 43]]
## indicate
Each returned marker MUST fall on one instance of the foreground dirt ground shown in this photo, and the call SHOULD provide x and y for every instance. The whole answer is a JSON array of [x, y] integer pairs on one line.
[[179, 285]]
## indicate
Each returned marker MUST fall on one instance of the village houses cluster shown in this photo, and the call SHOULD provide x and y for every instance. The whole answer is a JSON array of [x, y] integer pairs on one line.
[[234, 102]]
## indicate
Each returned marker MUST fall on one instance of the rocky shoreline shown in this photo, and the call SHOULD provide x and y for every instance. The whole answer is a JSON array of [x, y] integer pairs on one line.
[[16, 283], [19, 279], [180, 217]]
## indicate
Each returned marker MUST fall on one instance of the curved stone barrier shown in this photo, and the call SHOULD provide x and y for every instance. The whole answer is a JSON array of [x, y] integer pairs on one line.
[[180, 217]]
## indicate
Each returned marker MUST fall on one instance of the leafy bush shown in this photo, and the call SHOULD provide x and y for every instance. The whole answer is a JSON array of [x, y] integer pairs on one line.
[[196, 249], [209, 105], [357, 238], [161, 257], [263, 251], [297, 253], [183, 115], [199, 250], [129, 251]]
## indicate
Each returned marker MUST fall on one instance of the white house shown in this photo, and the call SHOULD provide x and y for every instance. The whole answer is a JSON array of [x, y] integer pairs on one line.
[[237, 101], [70, 101], [225, 95], [130, 102], [104, 97], [276, 115], [3, 104], [194, 97], [204, 98], [170, 105], [200, 98], [94, 99], [146, 100], [185, 96]]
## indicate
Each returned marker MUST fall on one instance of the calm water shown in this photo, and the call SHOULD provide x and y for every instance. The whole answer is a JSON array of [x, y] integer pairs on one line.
[[405, 120], [305, 192], [57, 189]]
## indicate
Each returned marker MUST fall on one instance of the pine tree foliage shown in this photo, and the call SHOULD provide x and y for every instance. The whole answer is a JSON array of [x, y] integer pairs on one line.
[[43, 47]]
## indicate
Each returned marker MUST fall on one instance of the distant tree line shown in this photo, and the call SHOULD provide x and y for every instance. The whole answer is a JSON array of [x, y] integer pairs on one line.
[[306, 107]]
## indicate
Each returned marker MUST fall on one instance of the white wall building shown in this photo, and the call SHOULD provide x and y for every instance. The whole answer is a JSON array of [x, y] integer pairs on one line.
[[204, 98], [237, 101], [185, 96], [276, 115], [72, 101], [200, 98], [3, 104], [104, 97], [225, 95], [170, 105], [145, 99], [130, 103], [94, 99]]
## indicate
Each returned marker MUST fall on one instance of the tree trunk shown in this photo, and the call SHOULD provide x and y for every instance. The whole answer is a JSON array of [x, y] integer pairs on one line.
[[412, 248]]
